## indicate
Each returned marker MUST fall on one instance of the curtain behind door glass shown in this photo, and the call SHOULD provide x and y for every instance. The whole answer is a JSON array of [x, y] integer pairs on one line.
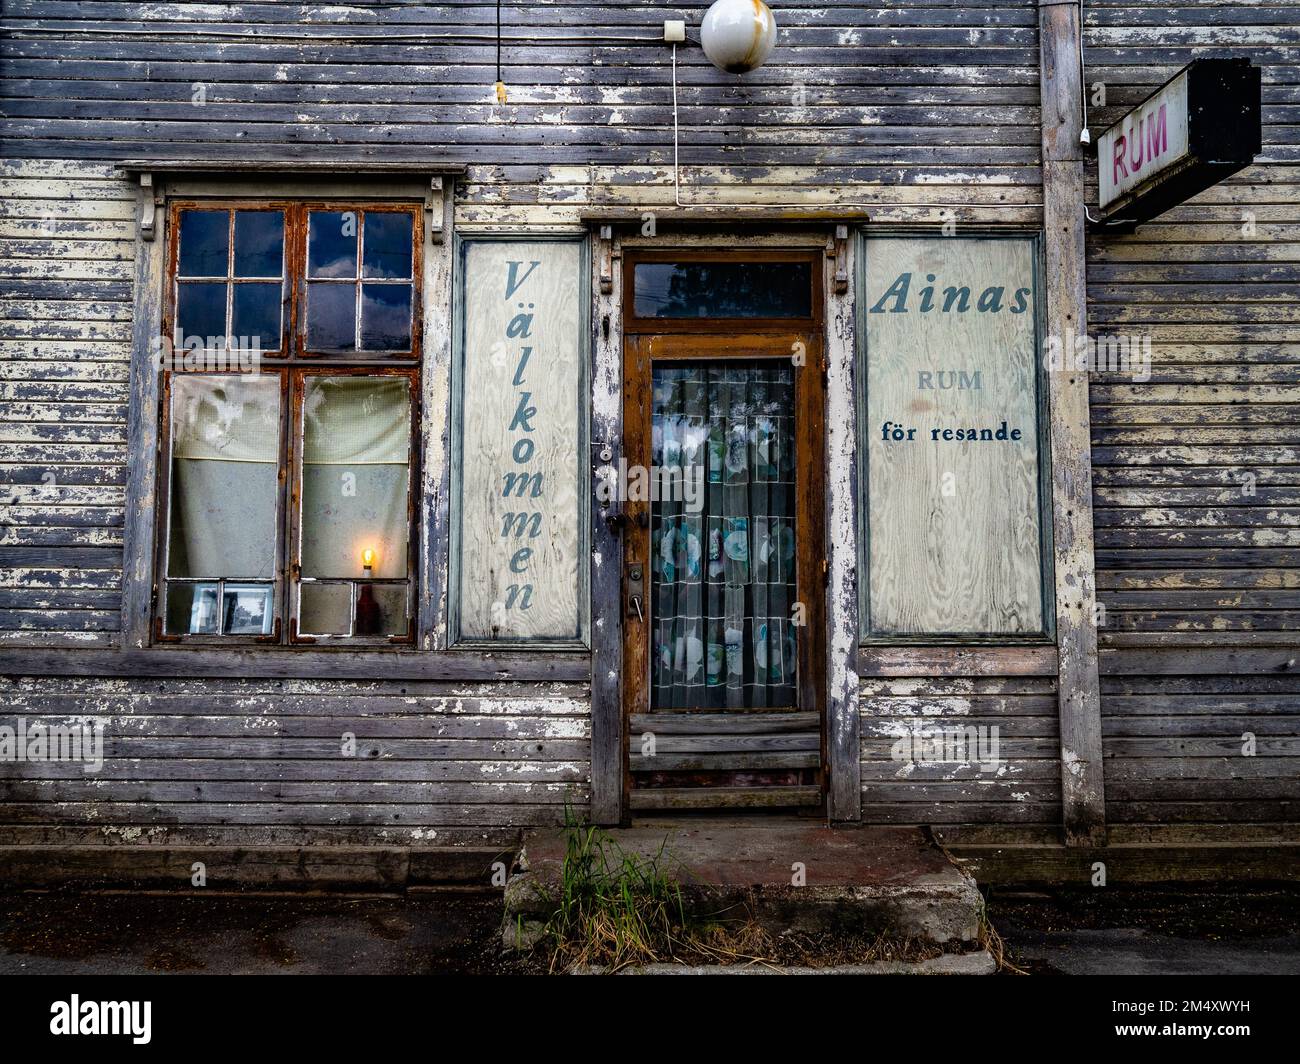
[[722, 566]]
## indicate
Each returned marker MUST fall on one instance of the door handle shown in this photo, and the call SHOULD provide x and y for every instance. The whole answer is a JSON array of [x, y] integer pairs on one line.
[[636, 592]]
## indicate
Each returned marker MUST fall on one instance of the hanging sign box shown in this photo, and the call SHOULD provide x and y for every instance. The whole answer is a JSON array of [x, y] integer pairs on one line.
[[1201, 126]]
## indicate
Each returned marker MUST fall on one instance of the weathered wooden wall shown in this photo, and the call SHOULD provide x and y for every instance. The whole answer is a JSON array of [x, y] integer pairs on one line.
[[182, 757], [913, 105], [1024, 789], [1200, 580], [67, 246], [920, 108], [931, 102]]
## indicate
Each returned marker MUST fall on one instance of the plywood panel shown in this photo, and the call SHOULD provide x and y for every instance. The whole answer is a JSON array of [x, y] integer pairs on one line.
[[954, 525], [519, 486]]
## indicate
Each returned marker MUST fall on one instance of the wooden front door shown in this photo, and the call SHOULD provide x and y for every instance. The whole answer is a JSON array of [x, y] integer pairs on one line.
[[723, 577]]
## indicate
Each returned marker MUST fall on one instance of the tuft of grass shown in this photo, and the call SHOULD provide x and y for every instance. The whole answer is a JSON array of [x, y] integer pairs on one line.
[[612, 908]]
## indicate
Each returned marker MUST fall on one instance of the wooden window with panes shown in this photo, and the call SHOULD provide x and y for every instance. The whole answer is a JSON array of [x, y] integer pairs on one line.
[[288, 423]]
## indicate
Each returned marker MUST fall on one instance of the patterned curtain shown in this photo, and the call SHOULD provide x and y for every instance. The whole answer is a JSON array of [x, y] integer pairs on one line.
[[723, 545]]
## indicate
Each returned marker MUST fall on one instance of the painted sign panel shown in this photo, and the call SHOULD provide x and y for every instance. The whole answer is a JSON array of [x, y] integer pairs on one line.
[[1200, 127], [1145, 143], [952, 494], [518, 471]]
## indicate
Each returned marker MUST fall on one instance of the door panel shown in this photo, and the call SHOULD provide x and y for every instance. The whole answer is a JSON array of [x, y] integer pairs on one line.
[[723, 578]]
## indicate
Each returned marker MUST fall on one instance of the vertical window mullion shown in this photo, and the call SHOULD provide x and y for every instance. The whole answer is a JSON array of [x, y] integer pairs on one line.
[[293, 451], [356, 295], [230, 275]]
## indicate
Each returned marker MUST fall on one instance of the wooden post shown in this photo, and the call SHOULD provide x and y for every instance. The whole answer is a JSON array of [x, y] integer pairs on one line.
[[1082, 794], [843, 722], [142, 420], [607, 731]]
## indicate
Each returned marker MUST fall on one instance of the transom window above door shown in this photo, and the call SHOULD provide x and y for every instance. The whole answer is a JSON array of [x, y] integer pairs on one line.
[[290, 280], [697, 290]]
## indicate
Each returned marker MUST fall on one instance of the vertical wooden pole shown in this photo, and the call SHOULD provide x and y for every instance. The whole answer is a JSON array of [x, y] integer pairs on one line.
[[1082, 794], [843, 724], [142, 425], [607, 738], [440, 320]]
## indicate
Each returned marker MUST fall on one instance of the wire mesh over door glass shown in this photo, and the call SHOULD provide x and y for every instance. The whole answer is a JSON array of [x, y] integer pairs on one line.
[[722, 547]]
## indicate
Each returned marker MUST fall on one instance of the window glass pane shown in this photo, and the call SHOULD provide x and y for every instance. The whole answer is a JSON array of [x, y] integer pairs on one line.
[[388, 245], [325, 609], [386, 317], [246, 609], [204, 239], [192, 609], [224, 474], [259, 243], [331, 316], [381, 609], [722, 563], [723, 289], [201, 308], [255, 316], [356, 455], [332, 244]]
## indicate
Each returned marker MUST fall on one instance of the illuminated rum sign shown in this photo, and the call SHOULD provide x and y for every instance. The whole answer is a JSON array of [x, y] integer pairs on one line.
[[1198, 128]]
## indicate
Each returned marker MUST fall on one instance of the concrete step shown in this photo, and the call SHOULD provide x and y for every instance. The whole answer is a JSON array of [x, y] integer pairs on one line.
[[786, 873], [978, 962]]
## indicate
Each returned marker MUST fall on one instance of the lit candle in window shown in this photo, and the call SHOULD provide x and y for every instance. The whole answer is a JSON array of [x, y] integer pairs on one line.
[[368, 559]]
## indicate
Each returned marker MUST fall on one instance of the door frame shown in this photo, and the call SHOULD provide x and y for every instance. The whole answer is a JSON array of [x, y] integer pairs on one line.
[[646, 341]]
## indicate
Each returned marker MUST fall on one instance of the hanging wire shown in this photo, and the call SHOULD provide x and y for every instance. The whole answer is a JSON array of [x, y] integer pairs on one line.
[[500, 85]]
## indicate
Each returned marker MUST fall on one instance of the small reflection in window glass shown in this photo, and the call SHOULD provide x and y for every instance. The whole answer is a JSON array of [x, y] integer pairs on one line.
[[386, 317], [204, 243], [723, 289], [201, 308], [332, 243], [331, 317], [387, 245], [192, 609], [259, 243], [247, 609]]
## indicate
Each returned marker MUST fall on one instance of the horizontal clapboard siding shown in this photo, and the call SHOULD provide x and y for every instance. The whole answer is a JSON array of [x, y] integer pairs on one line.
[[1196, 472], [207, 753], [922, 103], [1025, 788], [1212, 749], [66, 285]]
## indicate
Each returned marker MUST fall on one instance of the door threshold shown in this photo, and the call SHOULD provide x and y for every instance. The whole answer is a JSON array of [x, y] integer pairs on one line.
[[666, 798]]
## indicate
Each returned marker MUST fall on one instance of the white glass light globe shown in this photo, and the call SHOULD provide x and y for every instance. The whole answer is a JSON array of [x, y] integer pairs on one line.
[[738, 35]]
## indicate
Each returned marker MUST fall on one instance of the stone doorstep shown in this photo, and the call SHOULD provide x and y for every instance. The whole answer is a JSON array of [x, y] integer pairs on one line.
[[877, 880]]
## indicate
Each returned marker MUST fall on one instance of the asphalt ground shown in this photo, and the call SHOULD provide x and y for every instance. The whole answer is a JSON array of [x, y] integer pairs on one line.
[[1110, 931]]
